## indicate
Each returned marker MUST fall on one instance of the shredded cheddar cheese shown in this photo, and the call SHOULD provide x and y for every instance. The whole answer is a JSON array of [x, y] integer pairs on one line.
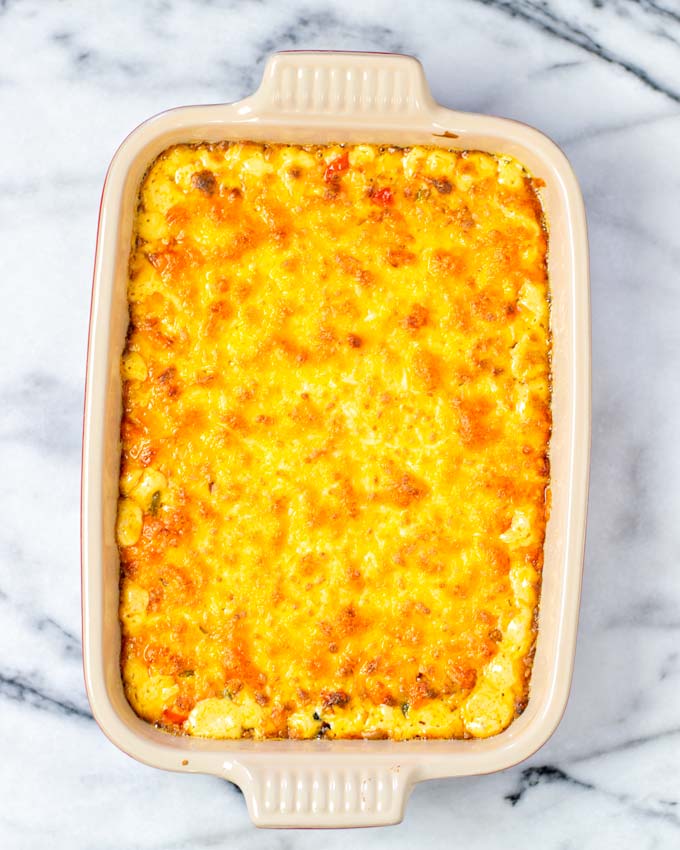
[[334, 442]]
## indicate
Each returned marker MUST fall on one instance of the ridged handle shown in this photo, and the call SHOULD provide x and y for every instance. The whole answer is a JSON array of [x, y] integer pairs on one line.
[[352, 84], [325, 797]]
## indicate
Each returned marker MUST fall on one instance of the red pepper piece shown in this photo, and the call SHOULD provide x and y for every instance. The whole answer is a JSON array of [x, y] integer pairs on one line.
[[171, 716], [336, 168], [384, 197]]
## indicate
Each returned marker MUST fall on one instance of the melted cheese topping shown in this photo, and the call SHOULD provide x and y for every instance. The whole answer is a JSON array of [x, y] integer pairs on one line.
[[334, 442]]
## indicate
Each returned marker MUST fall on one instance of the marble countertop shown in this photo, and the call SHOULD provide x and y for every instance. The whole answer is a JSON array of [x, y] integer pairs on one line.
[[603, 79]]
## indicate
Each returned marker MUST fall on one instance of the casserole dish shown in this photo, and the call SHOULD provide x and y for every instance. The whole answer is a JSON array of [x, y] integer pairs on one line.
[[320, 98]]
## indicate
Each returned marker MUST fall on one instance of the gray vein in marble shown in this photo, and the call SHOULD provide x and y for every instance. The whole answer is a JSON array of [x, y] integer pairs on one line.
[[624, 127], [663, 11], [541, 775], [50, 627], [541, 17], [544, 774], [622, 746], [92, 63], [310, 25], [670, 666], [22, 684], [556, 66], [17, 688]]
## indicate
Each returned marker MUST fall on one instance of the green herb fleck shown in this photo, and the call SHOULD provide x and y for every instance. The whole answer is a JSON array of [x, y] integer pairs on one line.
[[186, 673], [405, 708]]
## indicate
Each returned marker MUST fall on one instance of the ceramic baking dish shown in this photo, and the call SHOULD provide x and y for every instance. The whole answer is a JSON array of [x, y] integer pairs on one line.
[[317, 97]]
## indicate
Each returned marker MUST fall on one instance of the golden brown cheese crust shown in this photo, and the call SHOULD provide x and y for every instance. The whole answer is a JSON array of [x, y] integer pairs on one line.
[[334, 441]]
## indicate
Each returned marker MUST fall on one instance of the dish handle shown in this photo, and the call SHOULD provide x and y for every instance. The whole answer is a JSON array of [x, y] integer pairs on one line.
[[318, 796], [327, 82]]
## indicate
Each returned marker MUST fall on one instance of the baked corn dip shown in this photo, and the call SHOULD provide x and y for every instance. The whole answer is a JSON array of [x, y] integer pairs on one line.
[[336, 416]]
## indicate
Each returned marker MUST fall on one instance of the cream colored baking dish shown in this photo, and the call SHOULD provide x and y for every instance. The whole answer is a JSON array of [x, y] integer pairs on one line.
[[317, 97]]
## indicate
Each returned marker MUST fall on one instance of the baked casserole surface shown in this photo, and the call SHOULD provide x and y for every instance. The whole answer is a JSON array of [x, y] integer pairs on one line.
[[335, 432]]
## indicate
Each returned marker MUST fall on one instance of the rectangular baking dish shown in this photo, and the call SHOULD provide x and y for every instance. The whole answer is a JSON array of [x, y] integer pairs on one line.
[[319, 97]]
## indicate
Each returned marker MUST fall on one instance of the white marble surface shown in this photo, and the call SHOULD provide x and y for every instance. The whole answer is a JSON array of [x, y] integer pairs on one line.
[[603, 79]]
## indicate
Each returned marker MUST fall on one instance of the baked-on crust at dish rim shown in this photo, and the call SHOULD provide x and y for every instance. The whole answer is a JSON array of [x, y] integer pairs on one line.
[[334, 470]]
